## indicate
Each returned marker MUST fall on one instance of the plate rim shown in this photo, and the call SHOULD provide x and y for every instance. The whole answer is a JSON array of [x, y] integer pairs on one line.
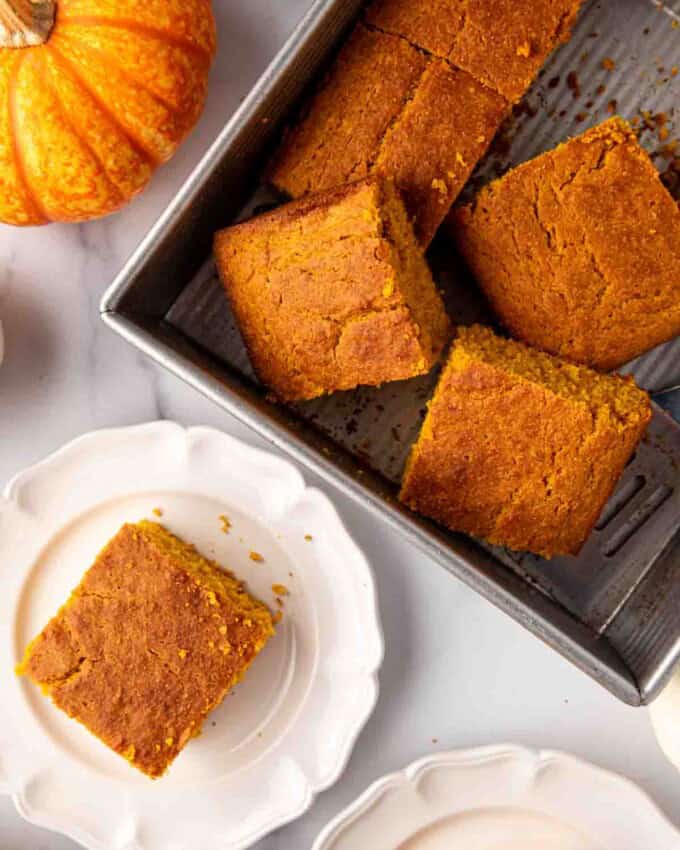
[[416, 771], [93, 441]]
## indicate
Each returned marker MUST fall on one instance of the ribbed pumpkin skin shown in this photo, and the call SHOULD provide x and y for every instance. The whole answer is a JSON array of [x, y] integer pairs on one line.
[[87, 117]]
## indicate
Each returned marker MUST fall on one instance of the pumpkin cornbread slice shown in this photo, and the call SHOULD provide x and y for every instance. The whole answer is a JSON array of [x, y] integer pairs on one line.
[[521, 448], [433, 147], [387, 107], [333, 291], [501, 43], [341, 129], [150, 641], [578, 251]]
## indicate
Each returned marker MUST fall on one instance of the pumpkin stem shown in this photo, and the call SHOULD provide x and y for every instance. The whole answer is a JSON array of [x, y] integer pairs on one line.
[[26, 23]]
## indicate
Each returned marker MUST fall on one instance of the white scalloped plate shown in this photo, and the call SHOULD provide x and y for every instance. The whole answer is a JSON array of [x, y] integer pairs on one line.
[[286, 732], [501, 798]]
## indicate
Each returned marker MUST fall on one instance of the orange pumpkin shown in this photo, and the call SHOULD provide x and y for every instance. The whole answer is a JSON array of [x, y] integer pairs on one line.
[[94, 95]]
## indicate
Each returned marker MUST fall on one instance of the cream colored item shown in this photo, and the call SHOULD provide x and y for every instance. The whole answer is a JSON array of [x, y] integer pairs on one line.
[[665, 713]]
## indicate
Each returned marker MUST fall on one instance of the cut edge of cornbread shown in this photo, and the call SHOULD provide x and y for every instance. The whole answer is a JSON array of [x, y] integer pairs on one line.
[[571, 381], [414, 278]]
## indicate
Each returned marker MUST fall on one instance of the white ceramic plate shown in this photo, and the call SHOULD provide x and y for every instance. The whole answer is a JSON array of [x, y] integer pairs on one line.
[[501, 798], [287, 731]]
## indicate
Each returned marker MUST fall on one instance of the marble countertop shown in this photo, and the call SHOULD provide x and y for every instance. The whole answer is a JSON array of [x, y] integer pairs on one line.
[[457, 673]]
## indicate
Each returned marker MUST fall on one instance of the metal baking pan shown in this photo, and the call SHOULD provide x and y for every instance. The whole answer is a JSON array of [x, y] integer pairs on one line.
[[614, 611]]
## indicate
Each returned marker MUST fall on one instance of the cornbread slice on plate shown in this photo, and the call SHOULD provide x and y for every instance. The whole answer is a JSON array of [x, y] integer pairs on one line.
[[150, 641], [388, 107], [578, 251], [501, 43], [520, 448], [333, 291]]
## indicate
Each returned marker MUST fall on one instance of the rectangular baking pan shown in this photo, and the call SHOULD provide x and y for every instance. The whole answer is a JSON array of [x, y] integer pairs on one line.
[[614, 611]]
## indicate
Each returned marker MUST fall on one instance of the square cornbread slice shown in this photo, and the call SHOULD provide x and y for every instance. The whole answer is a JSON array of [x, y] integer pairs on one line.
[[578, 251], [333, 291], [150, 641], [387, 107], [520, 448], [501, 43]]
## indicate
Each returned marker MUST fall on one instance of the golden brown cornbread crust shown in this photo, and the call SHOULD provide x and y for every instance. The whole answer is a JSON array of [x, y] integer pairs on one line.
[[150, 641], [578, 251], [520, 448], [333, 291], [341, 129], [388, 107], [501, 43], [431, 159]]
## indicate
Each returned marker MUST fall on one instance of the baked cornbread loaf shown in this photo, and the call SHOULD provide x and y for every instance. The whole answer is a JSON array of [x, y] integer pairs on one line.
[[521, 448], [148, 644], [578, 251], [501, 43], [333, 291], [388, 107]]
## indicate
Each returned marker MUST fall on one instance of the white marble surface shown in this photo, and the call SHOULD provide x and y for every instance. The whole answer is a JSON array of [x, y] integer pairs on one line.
[[457, 672]]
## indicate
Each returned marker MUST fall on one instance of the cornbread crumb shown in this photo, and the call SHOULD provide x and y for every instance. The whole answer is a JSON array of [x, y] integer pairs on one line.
[[314, 317], [225, 523], [280, 589], [521, 448], [440, 186], [157, 512], [128, 654], [578, 250], [308, 538], [255, 556], [278, 616]]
